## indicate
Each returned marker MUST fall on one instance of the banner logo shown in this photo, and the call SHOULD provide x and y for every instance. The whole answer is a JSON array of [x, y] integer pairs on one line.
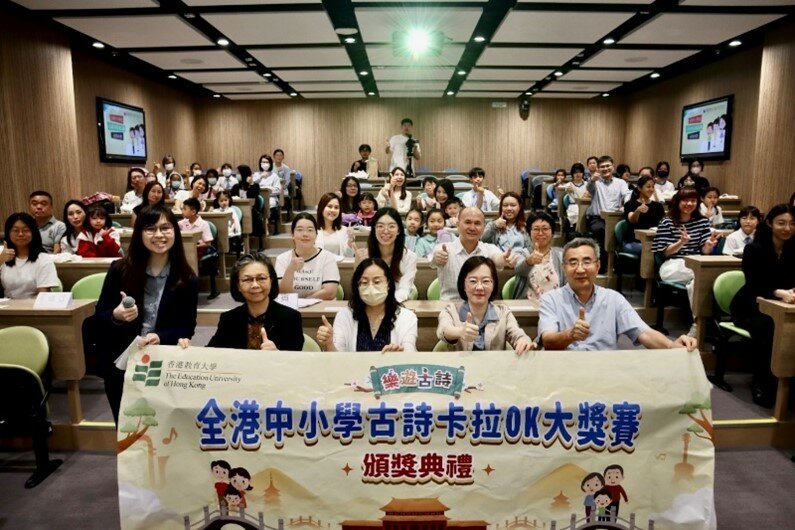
[[411, 378], [148, 371]]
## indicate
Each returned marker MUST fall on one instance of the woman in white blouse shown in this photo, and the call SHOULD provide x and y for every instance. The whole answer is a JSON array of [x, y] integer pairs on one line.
[[306, 270], [330, 234], [374, 320], [25, 268], [394, 193], [136, 181], [74, 213]]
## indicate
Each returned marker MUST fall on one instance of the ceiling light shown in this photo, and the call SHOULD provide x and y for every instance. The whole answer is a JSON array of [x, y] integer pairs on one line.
[[364, 72], [346, 31], [479, 39], [98, 45], [267, 74], [222, 42], [558, 73], [604, 95], [609, 40], [293, 94], [576, 63], [462, 72], [735, 43], [418, 41], [528, 93], [190, 15], [450, 92], [172, 76], [248, 59], [350, 40], [371, 93], [655, 75], [216, 95]]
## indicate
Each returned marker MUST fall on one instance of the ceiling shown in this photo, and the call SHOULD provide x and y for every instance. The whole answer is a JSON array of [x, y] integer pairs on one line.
[[266, 49]]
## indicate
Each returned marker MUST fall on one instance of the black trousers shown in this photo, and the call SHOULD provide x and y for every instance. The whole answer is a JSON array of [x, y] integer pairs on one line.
[[596, 226], [761, 328], [114, 383]]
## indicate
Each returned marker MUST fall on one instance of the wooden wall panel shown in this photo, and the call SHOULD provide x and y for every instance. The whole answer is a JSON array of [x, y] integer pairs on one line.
[[653, 118], [38, 140], [170, 121], [321, 137], [775, 134]]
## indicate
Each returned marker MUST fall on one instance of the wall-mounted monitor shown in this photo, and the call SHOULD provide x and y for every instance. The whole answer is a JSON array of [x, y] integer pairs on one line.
[[707, 129], [122, 132]]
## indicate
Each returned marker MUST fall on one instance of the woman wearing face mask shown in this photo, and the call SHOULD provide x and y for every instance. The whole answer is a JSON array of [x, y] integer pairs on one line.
[[477, 324], [542, 269], [74, 213], [387, 241], [374, 320], [227, 181], [164, 169], [307, 270], [268, 178], [508, 229], [663, 188], [330, 234], [136, 181], [154, 194], [693, 177], [394, 193]]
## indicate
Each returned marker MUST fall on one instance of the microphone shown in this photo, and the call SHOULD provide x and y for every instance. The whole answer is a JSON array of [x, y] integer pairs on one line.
[[128, 302]]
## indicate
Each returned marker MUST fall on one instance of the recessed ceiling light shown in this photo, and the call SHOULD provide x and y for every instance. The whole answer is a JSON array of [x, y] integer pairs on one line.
[[734, 43], [558, 73], [655, 75], [479, 38], [364, 72], [216, 95], [248, 59], [190, 15], [608, 40], [462, 72], [576, 63], [350, 40], [98, 45], [605, 95], [371, 93], [293, 94], [346, 31], [172, 76], [528, 93], [267, 74], [222, 42], [450, 92]]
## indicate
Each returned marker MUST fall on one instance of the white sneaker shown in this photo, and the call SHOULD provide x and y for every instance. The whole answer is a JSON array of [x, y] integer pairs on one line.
[[693, 331]]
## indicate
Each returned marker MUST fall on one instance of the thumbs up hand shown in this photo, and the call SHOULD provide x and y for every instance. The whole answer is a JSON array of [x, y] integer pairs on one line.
[[536, 256], [358, 253], [267, 344], [581, 328], [325, 334], [500, 223], [510, 259], [469, 330], [440, 256]]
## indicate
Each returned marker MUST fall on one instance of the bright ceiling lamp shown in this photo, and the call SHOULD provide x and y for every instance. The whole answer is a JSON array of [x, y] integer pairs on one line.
[[417, 43]]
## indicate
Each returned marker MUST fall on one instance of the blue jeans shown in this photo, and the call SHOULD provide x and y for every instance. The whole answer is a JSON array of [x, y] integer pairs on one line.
[[633, 247]]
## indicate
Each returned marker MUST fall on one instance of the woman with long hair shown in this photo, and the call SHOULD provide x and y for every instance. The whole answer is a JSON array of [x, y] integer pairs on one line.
[[74, 213], [350, 194], [394, 193], [330, 234], [508, 229], [641, 211], [154, 194], [25, 267]]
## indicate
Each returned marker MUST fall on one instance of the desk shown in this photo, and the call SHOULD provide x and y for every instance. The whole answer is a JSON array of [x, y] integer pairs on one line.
[[63, 329], [71, 271], [189, 242], [706, 270], [783, 360], [611, 220], [123, 218], [221, 221], [427, 312], [733, 204], [582, 204]]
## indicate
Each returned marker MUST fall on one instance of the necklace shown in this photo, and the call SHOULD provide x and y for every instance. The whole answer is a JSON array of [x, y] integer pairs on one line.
[[375, 324]]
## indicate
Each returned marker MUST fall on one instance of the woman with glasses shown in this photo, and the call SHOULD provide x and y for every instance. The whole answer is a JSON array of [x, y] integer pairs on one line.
[[374, 320], [541, 270], [387, 241], [25, 267], [307, 270], [508, 229], [164, 292], [254, 325], [476, 324]]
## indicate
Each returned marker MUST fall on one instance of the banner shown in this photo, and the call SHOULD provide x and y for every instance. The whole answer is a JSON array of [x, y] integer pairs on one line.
[[221, 438]]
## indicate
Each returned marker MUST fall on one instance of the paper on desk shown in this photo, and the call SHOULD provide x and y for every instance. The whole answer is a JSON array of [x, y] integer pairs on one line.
[[121, 360], [306, 302]]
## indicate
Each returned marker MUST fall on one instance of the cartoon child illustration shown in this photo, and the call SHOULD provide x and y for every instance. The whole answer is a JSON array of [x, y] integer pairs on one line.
[[614, 474], [240, 478], [592, 483], [233, 498], [602, 500], [221, 469]]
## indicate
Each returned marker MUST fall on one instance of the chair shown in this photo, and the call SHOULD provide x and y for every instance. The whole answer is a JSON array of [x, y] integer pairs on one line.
[[57, 288], [723, 290], [24, 354], [623, 258], [441, 346], [667, 294], [89, 288], [208, 264], [509, 288], [340, 292], [116, 224], [310, 344], [414, 294], [434, 290]]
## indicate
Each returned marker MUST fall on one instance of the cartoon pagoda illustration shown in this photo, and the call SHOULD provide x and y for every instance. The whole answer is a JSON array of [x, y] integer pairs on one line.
[[414, 514], [271, 494], [561, 503]]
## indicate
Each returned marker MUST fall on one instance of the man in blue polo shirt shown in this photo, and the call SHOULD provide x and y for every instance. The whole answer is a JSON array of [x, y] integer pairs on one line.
[[583, 316]]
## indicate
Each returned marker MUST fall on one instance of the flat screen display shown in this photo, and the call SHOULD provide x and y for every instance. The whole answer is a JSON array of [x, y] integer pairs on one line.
[[122, 132], [707, 129]]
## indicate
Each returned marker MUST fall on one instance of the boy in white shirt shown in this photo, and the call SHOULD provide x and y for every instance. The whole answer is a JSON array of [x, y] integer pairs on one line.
[[192, 221], [478, 196], [749, 218]]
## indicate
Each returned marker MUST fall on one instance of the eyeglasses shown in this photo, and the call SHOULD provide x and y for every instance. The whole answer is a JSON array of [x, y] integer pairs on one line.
[[474, 282], [377, 282], [21, 231], [166, 230], [540, 229], [248, 281], [576, 263], [386, 228]]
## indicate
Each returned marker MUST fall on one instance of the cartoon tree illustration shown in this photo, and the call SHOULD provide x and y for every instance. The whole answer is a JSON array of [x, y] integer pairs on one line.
[[694, 409], [146, 418]]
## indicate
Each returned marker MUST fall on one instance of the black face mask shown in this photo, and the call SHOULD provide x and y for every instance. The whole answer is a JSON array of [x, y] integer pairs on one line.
[[662, 173]]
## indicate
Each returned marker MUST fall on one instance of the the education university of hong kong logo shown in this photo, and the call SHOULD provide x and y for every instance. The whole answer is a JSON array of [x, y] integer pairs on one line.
[[148, 371], [410, 378]]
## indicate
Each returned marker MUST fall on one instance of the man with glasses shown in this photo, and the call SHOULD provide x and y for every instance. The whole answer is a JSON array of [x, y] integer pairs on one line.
[[583, 316], [448, 258], [607, 194]]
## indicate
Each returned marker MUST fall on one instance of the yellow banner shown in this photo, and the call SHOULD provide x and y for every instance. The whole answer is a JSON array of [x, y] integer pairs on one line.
[[425, 441]]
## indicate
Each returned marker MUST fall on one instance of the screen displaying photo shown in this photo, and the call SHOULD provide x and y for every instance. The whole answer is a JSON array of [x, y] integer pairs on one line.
[[706, 129], [122, 132]]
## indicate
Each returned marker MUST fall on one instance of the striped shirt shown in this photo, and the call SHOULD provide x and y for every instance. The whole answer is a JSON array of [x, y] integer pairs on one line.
[[668, 234]]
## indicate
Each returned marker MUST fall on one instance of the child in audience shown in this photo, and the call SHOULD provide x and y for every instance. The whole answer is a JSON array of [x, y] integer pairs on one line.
[[663, 188], [693, 177], [191, 221], [98, 239], [212, 184], [350, 195], [479, 196], [451, 210], [444, 192], [226, 181], [426, 199], [366, 209], [74, 213], [560, 181], [223, 204], [413, 227], [709, 206], [748, 219], [174, 185], [434, 234]]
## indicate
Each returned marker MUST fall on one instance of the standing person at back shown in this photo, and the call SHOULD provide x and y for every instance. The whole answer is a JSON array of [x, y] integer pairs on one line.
[[50, 228], [396, 146], [607, 194]]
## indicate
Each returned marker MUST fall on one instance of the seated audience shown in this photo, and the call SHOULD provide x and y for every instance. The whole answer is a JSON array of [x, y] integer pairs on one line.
[[394, 194], [194, 171], [769, 267], [541, 270], [281, 169], [427, 199], [51, 229], [374, 320], [559, 182], [227, 180], [641, 211], [443, 192], [592, 167], [432, 233], [477, 324], [414, 220], [479, 196], [748, 220], [25, 269], [223, 204], [693, 177], [74, 213], [366, 209], [709, 206], [192, 222], [164, 170], [98, 239], [508, 229], [268, 178], [577, 189], [663, 188], [330, 234], [198, 191], [583, 316], [452, 210], [607, 194], [448, 258], [350, 195], [366, 162], [136, 181], [175, 185], [212, 184], [309, 271], [154, 193], [245, 188]]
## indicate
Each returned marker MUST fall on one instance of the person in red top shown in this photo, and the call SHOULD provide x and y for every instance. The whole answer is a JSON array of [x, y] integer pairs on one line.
[[98, 239], [221, 469], [614, 474]]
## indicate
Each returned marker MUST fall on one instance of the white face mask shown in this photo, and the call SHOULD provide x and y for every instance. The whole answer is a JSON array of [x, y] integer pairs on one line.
[[374, 294], [197, 172], [265, 166], [175, 185], [212, 181], [169, 167], [696, 170], [227, 172]]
